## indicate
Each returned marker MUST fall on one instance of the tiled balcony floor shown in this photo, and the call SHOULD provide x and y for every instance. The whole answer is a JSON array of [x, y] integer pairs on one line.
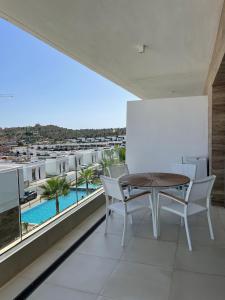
[[148, 269]]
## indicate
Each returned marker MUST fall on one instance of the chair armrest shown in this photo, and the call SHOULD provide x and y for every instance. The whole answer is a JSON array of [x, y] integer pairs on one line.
[[121, 176], [136, 196], [172, 197]]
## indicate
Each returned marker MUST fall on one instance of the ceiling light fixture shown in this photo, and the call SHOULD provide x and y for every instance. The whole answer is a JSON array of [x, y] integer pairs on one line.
[[141, 48]]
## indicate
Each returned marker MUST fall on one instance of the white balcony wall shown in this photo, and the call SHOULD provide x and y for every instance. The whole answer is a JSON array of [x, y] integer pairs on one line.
[[11, 183], [161, 131]]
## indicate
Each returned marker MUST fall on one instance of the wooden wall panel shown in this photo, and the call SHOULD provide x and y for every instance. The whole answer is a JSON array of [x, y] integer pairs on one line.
[[216, 98], [218, 137], [215, 89]]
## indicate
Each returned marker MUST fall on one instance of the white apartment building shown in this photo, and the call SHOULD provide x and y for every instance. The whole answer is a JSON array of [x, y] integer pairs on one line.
[[11, 186], [56, 166], [99, 155], [34, 171], [73, 160], [88, 157]]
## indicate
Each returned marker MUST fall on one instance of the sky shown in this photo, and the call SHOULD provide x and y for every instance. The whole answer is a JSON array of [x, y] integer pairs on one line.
[[50, 88]]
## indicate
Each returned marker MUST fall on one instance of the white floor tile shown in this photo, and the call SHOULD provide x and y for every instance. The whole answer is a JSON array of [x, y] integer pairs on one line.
[[200, 236], [203, 259], [193, 286], [115, 226], [137, 282], [151, 252], [103, 245], [169, 232], [83, 272]]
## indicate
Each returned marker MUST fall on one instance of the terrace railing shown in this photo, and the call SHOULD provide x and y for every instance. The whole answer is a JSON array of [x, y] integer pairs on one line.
[[23, 211]]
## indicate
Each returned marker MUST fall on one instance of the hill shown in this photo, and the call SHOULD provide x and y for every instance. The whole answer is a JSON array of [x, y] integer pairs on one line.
[[54, 133]]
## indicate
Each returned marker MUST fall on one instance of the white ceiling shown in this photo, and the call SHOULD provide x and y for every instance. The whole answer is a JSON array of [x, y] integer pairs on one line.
[[103, 34]]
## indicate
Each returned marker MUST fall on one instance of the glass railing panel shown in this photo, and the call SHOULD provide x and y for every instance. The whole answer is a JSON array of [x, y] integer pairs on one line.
[[79, 184], [10, 230], [25, 207]]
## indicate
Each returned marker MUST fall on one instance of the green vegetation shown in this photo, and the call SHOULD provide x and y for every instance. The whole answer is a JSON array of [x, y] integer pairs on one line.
[[86, 176], [121, 153], [113, 156], [38, 133], [25, 226], [54, 188]]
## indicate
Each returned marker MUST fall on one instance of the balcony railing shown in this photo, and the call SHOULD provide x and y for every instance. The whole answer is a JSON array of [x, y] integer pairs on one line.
[[32, 208], [32, 211]]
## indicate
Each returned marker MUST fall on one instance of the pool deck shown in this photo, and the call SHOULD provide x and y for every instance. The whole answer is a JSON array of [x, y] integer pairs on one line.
[[31, 203]]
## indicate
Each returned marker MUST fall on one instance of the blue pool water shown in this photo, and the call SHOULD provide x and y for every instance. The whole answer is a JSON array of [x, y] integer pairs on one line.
[[91, 186], [46, 210]]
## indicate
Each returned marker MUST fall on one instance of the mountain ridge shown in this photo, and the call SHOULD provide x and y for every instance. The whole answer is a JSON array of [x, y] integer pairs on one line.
[[53, 132]]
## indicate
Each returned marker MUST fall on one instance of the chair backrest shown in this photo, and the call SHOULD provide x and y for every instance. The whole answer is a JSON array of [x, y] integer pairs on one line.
[[200, 189], [201, 165], [188, 170], [118, 170], [112, 188]]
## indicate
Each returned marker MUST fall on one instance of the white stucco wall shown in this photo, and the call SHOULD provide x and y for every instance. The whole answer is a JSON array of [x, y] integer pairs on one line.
[[53, 166], [71, 159], [99, 155], [27, 170], [161, 131], [88, 157], [9, 191]]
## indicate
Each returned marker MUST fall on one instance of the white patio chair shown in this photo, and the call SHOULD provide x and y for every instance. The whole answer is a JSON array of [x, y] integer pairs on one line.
[[119, 170], [201, 165], [125, 206], [197, 190], [188, 170]]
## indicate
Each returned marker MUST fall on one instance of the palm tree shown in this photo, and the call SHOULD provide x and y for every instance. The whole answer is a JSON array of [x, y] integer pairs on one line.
[[122, 154], [86, 176], [110, 158], [105, 163], [54, 188]]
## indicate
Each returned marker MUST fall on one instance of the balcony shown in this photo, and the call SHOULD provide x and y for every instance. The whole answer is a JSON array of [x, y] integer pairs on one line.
[[170, 55], [144, 269]]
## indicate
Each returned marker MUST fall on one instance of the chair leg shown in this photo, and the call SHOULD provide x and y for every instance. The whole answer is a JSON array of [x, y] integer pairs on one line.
[[181, 221], [131, 219], [210, 225], [152, 213], [187, 233], [183, 191], [158, 216], [158, 223], [124, 230], [106, 219]]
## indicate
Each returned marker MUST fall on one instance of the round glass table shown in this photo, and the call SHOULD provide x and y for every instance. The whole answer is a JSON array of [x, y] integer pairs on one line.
[[154, 182]]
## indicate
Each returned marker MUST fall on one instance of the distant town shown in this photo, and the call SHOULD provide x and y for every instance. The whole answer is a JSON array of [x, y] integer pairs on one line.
[[41, 140]]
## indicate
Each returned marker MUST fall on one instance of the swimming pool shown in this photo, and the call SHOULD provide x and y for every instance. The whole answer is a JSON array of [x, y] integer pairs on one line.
[[91, 186], [47, 209]]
